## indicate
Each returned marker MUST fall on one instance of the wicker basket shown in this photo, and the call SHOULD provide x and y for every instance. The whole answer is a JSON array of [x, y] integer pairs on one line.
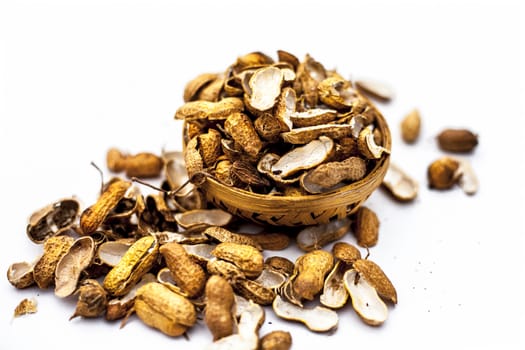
[[301, 210]]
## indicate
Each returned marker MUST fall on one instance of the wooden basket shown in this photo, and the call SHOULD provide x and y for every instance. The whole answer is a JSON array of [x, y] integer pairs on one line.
[[301, 210]]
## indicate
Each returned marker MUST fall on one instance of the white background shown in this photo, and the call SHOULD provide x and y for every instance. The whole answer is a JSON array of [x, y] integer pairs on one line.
[[77, 79]]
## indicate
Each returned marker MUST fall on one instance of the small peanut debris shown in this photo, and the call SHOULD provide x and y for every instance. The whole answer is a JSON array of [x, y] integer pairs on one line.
[[26, 306]]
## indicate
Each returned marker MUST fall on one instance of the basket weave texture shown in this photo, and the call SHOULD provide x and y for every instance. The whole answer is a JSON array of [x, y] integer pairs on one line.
[[301, 210]]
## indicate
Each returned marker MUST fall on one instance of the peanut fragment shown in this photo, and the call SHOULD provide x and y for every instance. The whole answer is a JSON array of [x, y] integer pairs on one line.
[[92, 299], [54, 250]]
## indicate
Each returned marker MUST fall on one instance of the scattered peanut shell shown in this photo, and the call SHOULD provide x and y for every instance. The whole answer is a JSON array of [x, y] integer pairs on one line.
[[205, 110], [365, 300], [247, 258], [376, 89], [194, 86], [200, 252], [285, 107], [269, 127], [142, 165], [346, 252], [26, 306], [442, 173], [223, 235], [111, 252], [368, 146], [270, 240], [54, 249], [70, 266], [188, 275], [218, 314], [135, 263], [265, 85], [334, 293], [276, 340], [92, 299], [280, 264], [254, 291], [93, 216], [402, 186], [305, 157], [20, 274], [376, 278], [317, 319], [468, 181], [366, 228], [118, 308], [411, 126], [251, 319], [208, 217], [311, 268], [317, 236], [52, 219], [224, 269], [194, 162], [457, 140], [160, 308], [271, 278], [165, 277]]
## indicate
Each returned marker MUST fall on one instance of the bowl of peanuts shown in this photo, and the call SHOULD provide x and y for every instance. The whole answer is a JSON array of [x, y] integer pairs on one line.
[[282, 142]]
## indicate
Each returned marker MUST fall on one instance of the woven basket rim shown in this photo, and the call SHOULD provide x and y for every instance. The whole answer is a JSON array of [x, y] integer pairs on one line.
[[308, 197]]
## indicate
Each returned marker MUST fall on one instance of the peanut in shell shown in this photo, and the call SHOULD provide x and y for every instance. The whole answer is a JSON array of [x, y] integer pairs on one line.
[[311, 269], [160, 308], [218, 314], [135, 263], [93, 216], [188, 275], [457, 140], [366, 228], [247, 258]]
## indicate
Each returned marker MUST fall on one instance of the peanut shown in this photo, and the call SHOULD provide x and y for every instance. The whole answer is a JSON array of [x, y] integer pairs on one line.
[[311, 269], [218, 314], [160, 308], [457, 140], [188, 275]]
